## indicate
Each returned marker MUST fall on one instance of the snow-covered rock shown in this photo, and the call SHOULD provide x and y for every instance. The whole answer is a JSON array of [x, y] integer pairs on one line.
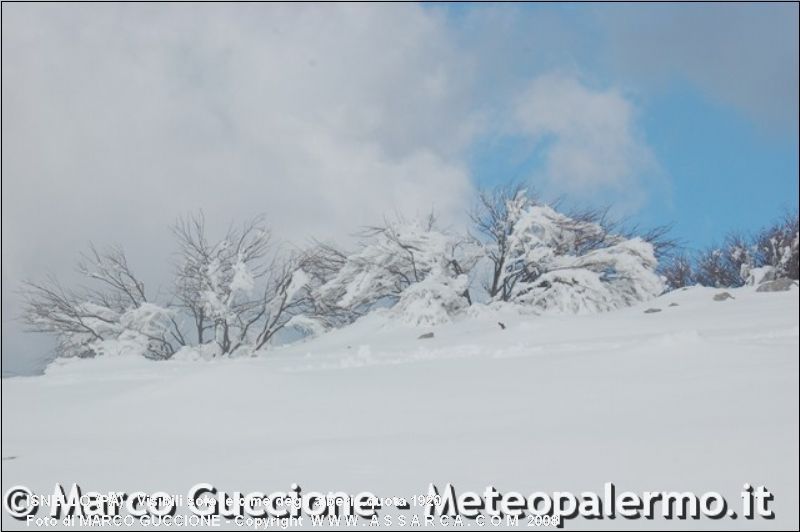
[[778, 285]]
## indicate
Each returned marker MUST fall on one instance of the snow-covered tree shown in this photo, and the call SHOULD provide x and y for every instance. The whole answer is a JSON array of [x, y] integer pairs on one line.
[[140, 331], [322, 263], [576, 262], [497, 218], [409, 262], [237, 288], [100, 320], [232, 293], [557, 262], [494, 218]]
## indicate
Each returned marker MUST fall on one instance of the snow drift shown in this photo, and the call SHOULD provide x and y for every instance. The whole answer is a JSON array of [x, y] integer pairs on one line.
[[699, 396]]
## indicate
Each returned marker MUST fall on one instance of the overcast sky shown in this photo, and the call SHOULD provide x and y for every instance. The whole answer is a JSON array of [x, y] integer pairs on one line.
[[116, 118]]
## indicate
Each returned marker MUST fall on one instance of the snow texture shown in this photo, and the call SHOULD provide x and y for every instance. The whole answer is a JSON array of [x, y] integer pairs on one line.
[[700, 396]]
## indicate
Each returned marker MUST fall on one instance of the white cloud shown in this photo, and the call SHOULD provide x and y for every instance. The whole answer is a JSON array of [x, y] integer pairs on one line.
[[744, 55], [118, 117], [588, 138]]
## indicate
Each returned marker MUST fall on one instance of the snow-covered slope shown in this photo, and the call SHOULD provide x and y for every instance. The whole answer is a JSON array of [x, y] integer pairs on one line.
[[701, 396]]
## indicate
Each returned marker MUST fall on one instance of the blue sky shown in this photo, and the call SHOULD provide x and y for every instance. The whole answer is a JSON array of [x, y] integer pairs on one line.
[[721, 172], [724, 172], [727, 160]]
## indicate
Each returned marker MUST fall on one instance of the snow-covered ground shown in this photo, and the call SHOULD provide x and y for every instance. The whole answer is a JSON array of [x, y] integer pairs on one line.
[[701, 396]]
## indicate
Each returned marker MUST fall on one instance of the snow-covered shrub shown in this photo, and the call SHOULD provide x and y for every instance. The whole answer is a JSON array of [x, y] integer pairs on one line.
[[231, 296], [677, 271], [728, 265], [199, 352], [741, 259], [395, 258], [567, 265], [771, 254], [559, 262], [89, 328], [147, 324], [714, 269], [321, 263], [432, 301], [115, 319], [761, 274], [525, 239], [778, 246]]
